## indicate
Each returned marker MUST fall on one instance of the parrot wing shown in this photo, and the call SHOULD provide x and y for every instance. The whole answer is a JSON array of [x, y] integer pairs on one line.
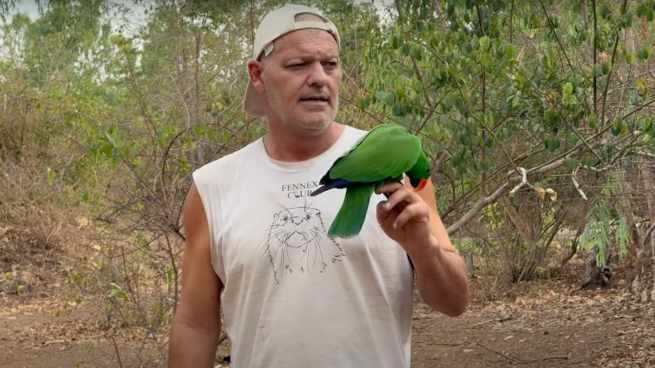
[[386, 151], [374, 131]]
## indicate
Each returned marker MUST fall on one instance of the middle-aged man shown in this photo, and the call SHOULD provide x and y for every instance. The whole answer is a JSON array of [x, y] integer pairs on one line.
[[256, 243]]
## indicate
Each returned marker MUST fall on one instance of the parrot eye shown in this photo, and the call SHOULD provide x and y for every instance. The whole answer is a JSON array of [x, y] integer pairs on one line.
[[286, 217], [308, 216]]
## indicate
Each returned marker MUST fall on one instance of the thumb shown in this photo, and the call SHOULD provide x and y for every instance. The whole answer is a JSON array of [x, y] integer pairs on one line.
[[385, 217]]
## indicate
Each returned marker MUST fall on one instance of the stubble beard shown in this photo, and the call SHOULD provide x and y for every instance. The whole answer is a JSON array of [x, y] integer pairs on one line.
[[292, 117]]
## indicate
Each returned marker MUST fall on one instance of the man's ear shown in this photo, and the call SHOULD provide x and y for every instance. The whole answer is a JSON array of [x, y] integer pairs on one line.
[[255, 69]]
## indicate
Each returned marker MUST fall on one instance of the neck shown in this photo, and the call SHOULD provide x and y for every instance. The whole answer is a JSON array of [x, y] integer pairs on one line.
[[284, 145]]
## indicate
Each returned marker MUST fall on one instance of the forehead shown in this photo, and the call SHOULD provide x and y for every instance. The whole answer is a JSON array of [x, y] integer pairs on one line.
[[306, 43]]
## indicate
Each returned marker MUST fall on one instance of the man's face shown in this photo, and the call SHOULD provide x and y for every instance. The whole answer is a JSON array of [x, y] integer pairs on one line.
[[301, 80]]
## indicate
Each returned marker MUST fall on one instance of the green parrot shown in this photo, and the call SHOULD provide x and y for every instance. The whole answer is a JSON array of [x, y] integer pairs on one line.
[[381, 156]]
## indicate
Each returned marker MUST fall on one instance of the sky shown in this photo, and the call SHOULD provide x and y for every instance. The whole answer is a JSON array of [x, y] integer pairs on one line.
[[137, 16], [30, 7], [32, 10]]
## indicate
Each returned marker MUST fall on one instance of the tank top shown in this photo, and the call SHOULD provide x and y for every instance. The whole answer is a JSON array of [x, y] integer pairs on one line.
[[292, 297]]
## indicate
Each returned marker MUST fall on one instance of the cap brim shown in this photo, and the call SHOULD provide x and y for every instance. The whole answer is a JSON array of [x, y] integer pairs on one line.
[[254, 102]]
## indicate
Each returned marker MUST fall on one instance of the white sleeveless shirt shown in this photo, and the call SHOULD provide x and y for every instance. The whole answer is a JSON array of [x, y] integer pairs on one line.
[[292, 297]]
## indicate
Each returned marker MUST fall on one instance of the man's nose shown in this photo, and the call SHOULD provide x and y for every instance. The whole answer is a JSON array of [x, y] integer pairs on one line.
[[317, 76]]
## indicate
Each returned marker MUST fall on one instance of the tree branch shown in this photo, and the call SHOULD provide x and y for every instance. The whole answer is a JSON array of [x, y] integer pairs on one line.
[[593, 5], [609, 75], [552, 28], [477, 208]]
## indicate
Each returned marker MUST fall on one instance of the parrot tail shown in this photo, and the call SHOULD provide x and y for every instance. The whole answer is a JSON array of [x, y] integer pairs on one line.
[[336, 183], [350, 218]]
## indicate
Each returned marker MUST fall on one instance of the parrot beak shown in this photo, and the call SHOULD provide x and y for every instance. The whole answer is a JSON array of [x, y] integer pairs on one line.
[[421, 185]]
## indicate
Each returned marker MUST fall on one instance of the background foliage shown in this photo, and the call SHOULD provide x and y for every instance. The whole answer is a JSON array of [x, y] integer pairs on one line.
[[538, 116]]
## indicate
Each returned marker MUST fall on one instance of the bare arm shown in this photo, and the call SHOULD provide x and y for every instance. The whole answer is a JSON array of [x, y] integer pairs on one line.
[[197, 324], [441, 271]]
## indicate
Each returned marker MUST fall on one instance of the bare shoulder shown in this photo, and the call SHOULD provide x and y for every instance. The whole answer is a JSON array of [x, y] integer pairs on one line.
[[195, 219]]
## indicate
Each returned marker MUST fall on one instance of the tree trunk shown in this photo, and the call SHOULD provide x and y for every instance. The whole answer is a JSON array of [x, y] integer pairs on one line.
[[643, 286], [521, 226], [573, 249], [595, 275], [624, 199]]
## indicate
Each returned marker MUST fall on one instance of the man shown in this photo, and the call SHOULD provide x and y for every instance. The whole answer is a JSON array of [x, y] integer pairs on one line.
[[256, 242]]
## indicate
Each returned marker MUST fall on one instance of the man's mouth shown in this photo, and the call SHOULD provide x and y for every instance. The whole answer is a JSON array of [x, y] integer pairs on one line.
[[315, 98]]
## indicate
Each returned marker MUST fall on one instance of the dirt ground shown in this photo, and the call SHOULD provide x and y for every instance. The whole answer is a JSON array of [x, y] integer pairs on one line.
[[543, 324]]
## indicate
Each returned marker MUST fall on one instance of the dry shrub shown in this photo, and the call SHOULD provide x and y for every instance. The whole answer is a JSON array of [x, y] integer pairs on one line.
[[38, 225]]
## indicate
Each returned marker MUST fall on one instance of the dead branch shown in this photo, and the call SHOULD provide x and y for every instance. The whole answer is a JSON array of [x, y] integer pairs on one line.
[[449, 344], [516, 360], [499, 192], [502, 319], [524, 180], [477, 208], [645, 154], [577, 185]]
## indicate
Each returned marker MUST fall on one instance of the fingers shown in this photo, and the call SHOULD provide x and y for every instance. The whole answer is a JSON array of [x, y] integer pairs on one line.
[[412, 212], [389, 189], [398, 195], [408, 203], [383, 215]]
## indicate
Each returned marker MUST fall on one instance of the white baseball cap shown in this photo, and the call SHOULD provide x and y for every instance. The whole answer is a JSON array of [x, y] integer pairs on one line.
[[275, 24]]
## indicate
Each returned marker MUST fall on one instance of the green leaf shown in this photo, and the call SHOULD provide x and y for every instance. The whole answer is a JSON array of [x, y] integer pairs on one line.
[[416, 53], [363, 102], [571, 164], [516, 102], [485, 43], [399, 110], [509, 51], [551, 144], [485, 59], [626, 20], [396, 41], [630, 58], [642, 86], [644, 54], [405, 49], [390, 98], [589, 161], [617, 126], [450, 10], [593, 120], [110, 139], [51, 177], [648, 126], [117, 292], [567, 89]]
